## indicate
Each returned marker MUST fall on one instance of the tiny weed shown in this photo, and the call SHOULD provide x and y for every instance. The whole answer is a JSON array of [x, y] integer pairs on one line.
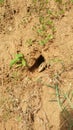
[[6, 115], [15, 75], [49, 22], [1, 1], [18, 118], [34, 1], [55, 60], [29, 41], [41, 19], [64, 107], [19, 60], [61, 12], [49, 12], [42, 42], [59, 1], [45, 40], [72, 1]]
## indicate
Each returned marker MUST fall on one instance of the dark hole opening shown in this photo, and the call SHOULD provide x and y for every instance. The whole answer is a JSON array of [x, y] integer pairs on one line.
[[28, 9], [37, 63], [14, 11]]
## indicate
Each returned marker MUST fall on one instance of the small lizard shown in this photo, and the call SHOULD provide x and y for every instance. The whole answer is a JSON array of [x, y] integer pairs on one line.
[[42, 66]]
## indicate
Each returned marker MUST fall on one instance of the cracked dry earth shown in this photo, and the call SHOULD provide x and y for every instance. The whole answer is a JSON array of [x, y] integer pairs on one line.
[[26, 101]]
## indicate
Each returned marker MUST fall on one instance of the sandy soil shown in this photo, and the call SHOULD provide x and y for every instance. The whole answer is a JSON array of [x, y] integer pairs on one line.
[[28, 100]]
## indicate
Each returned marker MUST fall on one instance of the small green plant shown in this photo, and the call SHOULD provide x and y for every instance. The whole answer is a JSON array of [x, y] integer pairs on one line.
[[54, 60], [60, 1], [18, 118], [29, 41], [19, 60], [1, 1], [34, 1], [72, 1], [64, 100], [46, 40]]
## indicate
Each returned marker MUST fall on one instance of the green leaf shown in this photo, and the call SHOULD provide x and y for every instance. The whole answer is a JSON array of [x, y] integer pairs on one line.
[[19, 59], [18, 56], [13, 62], [42, 42], [72, 1], [24, 63], [1, 1]]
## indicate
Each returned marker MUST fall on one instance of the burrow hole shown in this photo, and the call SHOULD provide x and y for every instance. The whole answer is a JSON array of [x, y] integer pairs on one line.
[[37, 63]]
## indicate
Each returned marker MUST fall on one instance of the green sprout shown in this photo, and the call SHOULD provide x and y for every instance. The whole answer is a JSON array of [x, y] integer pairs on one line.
[[19, 60], [1, 1]]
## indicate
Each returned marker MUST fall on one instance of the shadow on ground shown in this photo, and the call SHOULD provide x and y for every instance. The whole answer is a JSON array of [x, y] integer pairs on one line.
[[66, 120]]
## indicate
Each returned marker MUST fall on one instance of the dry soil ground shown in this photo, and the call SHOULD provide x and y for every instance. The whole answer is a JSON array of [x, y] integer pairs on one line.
[[37, 96]]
